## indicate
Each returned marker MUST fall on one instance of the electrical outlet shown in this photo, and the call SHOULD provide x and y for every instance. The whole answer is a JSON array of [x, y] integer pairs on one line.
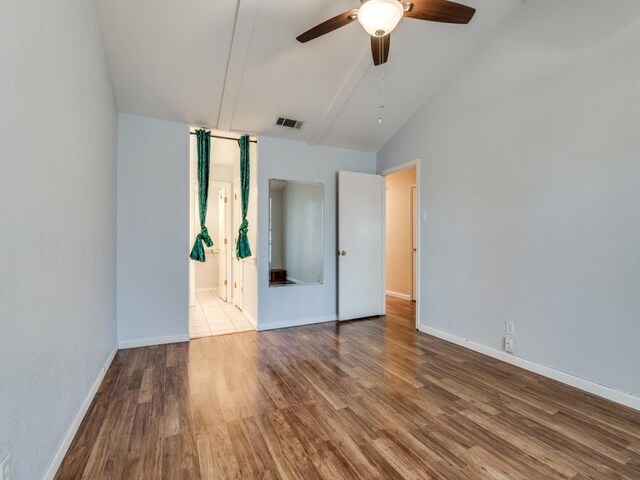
[[509, 344], [5, 468], [510, 328]]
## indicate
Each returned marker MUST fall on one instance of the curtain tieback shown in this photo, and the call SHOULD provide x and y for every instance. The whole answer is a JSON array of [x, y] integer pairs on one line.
[[197, 252], [204, 236], [242, 247], [244, 227]]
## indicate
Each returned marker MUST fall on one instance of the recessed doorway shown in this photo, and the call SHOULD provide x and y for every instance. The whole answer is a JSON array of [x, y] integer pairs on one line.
[[401, 264], [217, 283]]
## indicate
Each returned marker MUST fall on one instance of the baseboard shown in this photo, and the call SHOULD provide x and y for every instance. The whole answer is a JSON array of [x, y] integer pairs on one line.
[[403, 296], [250, 319], [617, 396], [212, 290], [297, 322], [145, 342], [64, 445]]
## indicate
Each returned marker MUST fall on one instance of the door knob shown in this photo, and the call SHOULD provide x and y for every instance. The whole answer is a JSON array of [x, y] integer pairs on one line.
[[342, 253]]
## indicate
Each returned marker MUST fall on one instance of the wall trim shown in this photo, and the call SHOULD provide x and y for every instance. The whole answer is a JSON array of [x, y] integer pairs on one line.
[[403, 296], [250, 319], [617, 396], [146, 342], [65, 443], [297, 322]]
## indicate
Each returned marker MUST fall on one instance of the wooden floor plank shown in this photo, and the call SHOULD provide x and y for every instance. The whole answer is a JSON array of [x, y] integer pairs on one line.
[[362, 399]]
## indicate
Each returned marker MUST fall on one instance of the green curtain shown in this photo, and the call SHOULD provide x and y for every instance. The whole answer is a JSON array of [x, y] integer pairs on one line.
[[243, 250], [204, 149]]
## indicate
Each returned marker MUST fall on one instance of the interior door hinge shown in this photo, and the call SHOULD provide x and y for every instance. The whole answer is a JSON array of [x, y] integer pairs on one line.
[[225, 283], [225, 199], [235, 196], [225, 241], [235, 284]]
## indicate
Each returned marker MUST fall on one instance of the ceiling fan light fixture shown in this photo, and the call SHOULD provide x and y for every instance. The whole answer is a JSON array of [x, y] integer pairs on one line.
[[380, 17]]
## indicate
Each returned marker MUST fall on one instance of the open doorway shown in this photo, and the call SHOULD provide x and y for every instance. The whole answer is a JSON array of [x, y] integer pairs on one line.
[[216, 285], [402, 244]]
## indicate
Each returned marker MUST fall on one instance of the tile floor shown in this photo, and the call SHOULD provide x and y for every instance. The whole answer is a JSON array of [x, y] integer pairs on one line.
[[212, 316]]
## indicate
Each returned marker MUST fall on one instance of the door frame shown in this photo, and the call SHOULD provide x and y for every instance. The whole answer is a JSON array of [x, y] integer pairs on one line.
[[227, 235], [237, 265], [388, 171], [413, 198]]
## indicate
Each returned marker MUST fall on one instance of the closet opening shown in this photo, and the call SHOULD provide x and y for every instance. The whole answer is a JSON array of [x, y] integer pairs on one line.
[[222, 286]]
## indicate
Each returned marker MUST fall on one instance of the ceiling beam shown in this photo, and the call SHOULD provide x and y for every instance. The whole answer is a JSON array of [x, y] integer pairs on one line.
[[349, 86], [241, 42]]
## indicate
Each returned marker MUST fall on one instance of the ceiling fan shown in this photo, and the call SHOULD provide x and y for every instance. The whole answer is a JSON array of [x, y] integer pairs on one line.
[[380, 17]]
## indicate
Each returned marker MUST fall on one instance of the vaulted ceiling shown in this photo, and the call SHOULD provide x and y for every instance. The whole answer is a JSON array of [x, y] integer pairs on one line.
[[235, 65]]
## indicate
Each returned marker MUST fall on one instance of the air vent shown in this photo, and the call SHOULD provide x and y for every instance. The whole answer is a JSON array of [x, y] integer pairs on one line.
[[289, 123]]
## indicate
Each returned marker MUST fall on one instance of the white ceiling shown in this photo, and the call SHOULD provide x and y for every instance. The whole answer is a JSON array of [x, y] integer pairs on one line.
[[235, 65]]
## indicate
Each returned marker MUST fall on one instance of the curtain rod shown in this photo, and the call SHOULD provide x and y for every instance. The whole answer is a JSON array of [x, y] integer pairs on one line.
[[224, 138]]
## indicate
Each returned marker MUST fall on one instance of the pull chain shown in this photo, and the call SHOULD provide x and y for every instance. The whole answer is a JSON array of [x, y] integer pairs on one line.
[[381, 91]]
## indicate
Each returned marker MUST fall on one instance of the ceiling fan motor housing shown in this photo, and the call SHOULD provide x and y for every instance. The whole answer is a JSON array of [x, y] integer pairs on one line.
[[380, 17]]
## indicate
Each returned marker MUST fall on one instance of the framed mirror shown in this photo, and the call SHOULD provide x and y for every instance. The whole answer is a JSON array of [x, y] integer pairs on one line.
[[296, 233]]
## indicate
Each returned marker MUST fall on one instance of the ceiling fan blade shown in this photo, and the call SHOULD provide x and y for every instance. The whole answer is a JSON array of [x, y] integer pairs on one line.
[[380, 49], [440, 11], [329, 26]]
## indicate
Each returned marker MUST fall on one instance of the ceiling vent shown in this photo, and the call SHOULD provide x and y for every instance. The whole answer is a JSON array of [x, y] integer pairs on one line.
[[289, 123]]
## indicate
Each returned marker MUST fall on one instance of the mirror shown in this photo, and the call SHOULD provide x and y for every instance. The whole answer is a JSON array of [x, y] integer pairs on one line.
[[295, 233]]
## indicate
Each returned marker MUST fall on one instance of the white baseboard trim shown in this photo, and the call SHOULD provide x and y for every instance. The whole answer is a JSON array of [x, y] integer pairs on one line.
[[617, 396], [250, 319], [145, 342], [403, 296], [64, 445], [297, 322]]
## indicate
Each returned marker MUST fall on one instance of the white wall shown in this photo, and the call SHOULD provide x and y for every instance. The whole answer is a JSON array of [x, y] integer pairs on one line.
[[531, 182], [298, 305], [303, 221], [153, 230], [57, 226]]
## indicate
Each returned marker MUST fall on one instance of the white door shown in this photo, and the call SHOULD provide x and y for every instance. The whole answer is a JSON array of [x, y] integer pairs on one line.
[[414, 241], [360, 245], [237, 265], [222, 244]]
